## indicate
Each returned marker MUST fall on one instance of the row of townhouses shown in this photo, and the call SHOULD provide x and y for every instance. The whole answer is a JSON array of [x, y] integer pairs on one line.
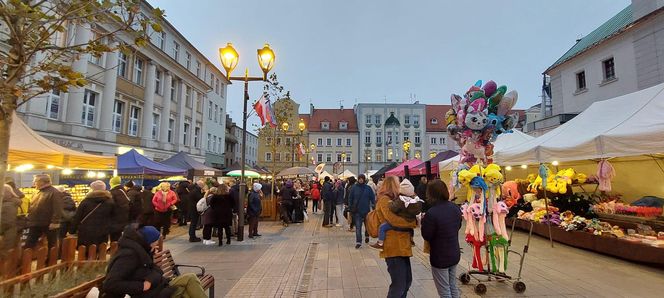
[[163, 98]]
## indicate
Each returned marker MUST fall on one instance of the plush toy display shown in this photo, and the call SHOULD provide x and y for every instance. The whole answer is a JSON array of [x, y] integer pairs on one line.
[[474, 122]]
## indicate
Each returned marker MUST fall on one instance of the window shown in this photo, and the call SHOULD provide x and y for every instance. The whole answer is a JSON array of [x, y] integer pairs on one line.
[[580, 80], [122, 64], [161, 40], [216, 113], [173, 89], [406, 120], [216, 86], [379, 155], [388, 138], [328, 142], [277, 156], [416, 120], [210, 111], [214, 144], [88, 115], [406, 136], [198, 69], [367, 138], [187, 56], [338, 157], [209, 142], [433, 141], [320, 142], [197, 133], [434, 121], [117, 116], [185, 133], [417, 137], [268, 156], [338, 142], [171, 124], [348, 142], [396, 137], [138, 71], [176, 50], [320, 157], [442, 141], [367, 119], [157, 82], [609, 69], [288, 141], [325, 125], [279, 141], [133, 120], [343, 125], [379, 137], [328, 157], [53, 105], [155, 126], [347, 157], [390, 153], [211, 80], [378, 120], [187, 96]]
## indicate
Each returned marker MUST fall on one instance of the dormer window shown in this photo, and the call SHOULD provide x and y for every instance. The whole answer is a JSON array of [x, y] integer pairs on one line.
[[343, 125], [434, 121], [325, 125]]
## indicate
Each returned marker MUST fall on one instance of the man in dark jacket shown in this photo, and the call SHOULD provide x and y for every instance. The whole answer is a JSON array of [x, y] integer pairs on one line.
[[68, 211], [135, 202], [421, 192], [91, 219], [195, 194], [183, 204], [147, 209], [328, 198], [121, 216], [254, 209], [361, 201], [44, 213], [287, 195], [440, 227]]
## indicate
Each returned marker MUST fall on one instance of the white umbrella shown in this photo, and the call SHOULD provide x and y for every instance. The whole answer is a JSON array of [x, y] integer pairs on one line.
[[347, 174], [324, 174], [296, 171]]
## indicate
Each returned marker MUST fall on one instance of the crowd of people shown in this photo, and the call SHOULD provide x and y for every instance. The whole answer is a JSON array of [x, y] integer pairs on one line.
[[137, 217]]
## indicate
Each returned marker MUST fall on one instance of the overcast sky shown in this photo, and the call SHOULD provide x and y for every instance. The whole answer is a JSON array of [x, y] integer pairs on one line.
[[377, 50]]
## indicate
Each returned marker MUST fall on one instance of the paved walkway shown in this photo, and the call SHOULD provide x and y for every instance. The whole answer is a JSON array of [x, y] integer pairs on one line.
[[306, 260]]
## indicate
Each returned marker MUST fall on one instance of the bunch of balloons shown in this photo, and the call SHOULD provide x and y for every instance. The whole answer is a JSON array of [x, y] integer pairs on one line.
[[477, 118]]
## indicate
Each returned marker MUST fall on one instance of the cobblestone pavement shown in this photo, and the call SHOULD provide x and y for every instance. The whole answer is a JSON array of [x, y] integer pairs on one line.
[[306, 260]]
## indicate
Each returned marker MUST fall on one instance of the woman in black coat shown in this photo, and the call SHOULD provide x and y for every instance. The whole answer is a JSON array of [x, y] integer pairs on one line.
[[132, 270], [219, 215], [91, 220]]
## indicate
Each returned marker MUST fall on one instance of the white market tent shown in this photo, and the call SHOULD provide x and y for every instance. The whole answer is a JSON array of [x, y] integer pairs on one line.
[[347, 174], [628, 125], [504, 141], [324, 174]]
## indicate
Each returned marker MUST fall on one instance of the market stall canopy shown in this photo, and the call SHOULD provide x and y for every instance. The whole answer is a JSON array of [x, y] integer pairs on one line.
[[347, 174], [133, 163], [236, 167], [421, 169], [325, 174], [296, 171], [504, 141], [247, 173], [27, 147], [173, 179], [194, 168], [628, 125], [381, 172], [399, 170]]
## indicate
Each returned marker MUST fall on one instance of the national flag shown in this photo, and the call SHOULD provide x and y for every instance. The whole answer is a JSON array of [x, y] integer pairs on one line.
[[270, 109], [262, 110], [300, 150]]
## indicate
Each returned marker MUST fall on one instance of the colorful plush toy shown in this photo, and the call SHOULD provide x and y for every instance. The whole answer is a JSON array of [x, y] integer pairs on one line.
[[510, 193]]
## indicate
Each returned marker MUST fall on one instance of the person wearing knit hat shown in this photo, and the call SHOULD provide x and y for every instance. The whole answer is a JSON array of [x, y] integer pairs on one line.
[[90, 221], [254, 209], [407, 206], [121, 217], [150, 234]]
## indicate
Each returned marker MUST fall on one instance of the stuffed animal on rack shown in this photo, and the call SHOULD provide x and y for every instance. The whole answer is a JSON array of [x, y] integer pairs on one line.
[[510, 193], [498, 247], [500, 211]]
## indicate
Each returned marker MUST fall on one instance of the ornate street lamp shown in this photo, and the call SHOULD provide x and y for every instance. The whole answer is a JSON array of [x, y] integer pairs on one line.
[[406, 148], [343, 162], [432, 155], [229, 60]]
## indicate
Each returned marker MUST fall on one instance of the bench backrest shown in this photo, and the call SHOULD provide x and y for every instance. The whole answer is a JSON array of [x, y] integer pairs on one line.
[[164, 260]]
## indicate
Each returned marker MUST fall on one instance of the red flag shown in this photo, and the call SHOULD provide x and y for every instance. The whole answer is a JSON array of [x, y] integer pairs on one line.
[[262, 110]]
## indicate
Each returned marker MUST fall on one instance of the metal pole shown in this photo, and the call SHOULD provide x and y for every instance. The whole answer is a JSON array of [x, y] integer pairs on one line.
[[243, 184]]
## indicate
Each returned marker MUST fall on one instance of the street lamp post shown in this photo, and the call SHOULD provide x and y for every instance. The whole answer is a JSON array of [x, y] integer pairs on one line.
[[284, 127], [343, 162], [301, 126], [312, 147], [406, 148], [229, 60]]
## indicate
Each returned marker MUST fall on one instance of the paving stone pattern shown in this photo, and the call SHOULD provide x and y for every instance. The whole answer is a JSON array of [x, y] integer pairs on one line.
[[307, 260]]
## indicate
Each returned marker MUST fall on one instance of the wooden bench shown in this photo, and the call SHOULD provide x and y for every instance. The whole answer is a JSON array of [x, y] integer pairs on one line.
[[165, 261]]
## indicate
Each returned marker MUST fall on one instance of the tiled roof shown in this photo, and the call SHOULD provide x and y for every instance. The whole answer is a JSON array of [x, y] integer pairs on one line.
[[334, 116], [437, 112], [616, 25]]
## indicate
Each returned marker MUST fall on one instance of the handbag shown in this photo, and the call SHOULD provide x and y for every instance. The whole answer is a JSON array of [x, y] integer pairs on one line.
[[93, 211]]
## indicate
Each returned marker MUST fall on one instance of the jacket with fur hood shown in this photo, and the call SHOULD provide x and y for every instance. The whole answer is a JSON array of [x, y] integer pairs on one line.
[[407, 205], [91, 220]]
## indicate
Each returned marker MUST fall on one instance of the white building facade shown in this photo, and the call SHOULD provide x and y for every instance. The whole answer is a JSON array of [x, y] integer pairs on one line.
[[157, 99], [621, 56], [251, 149], [382, 130]]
